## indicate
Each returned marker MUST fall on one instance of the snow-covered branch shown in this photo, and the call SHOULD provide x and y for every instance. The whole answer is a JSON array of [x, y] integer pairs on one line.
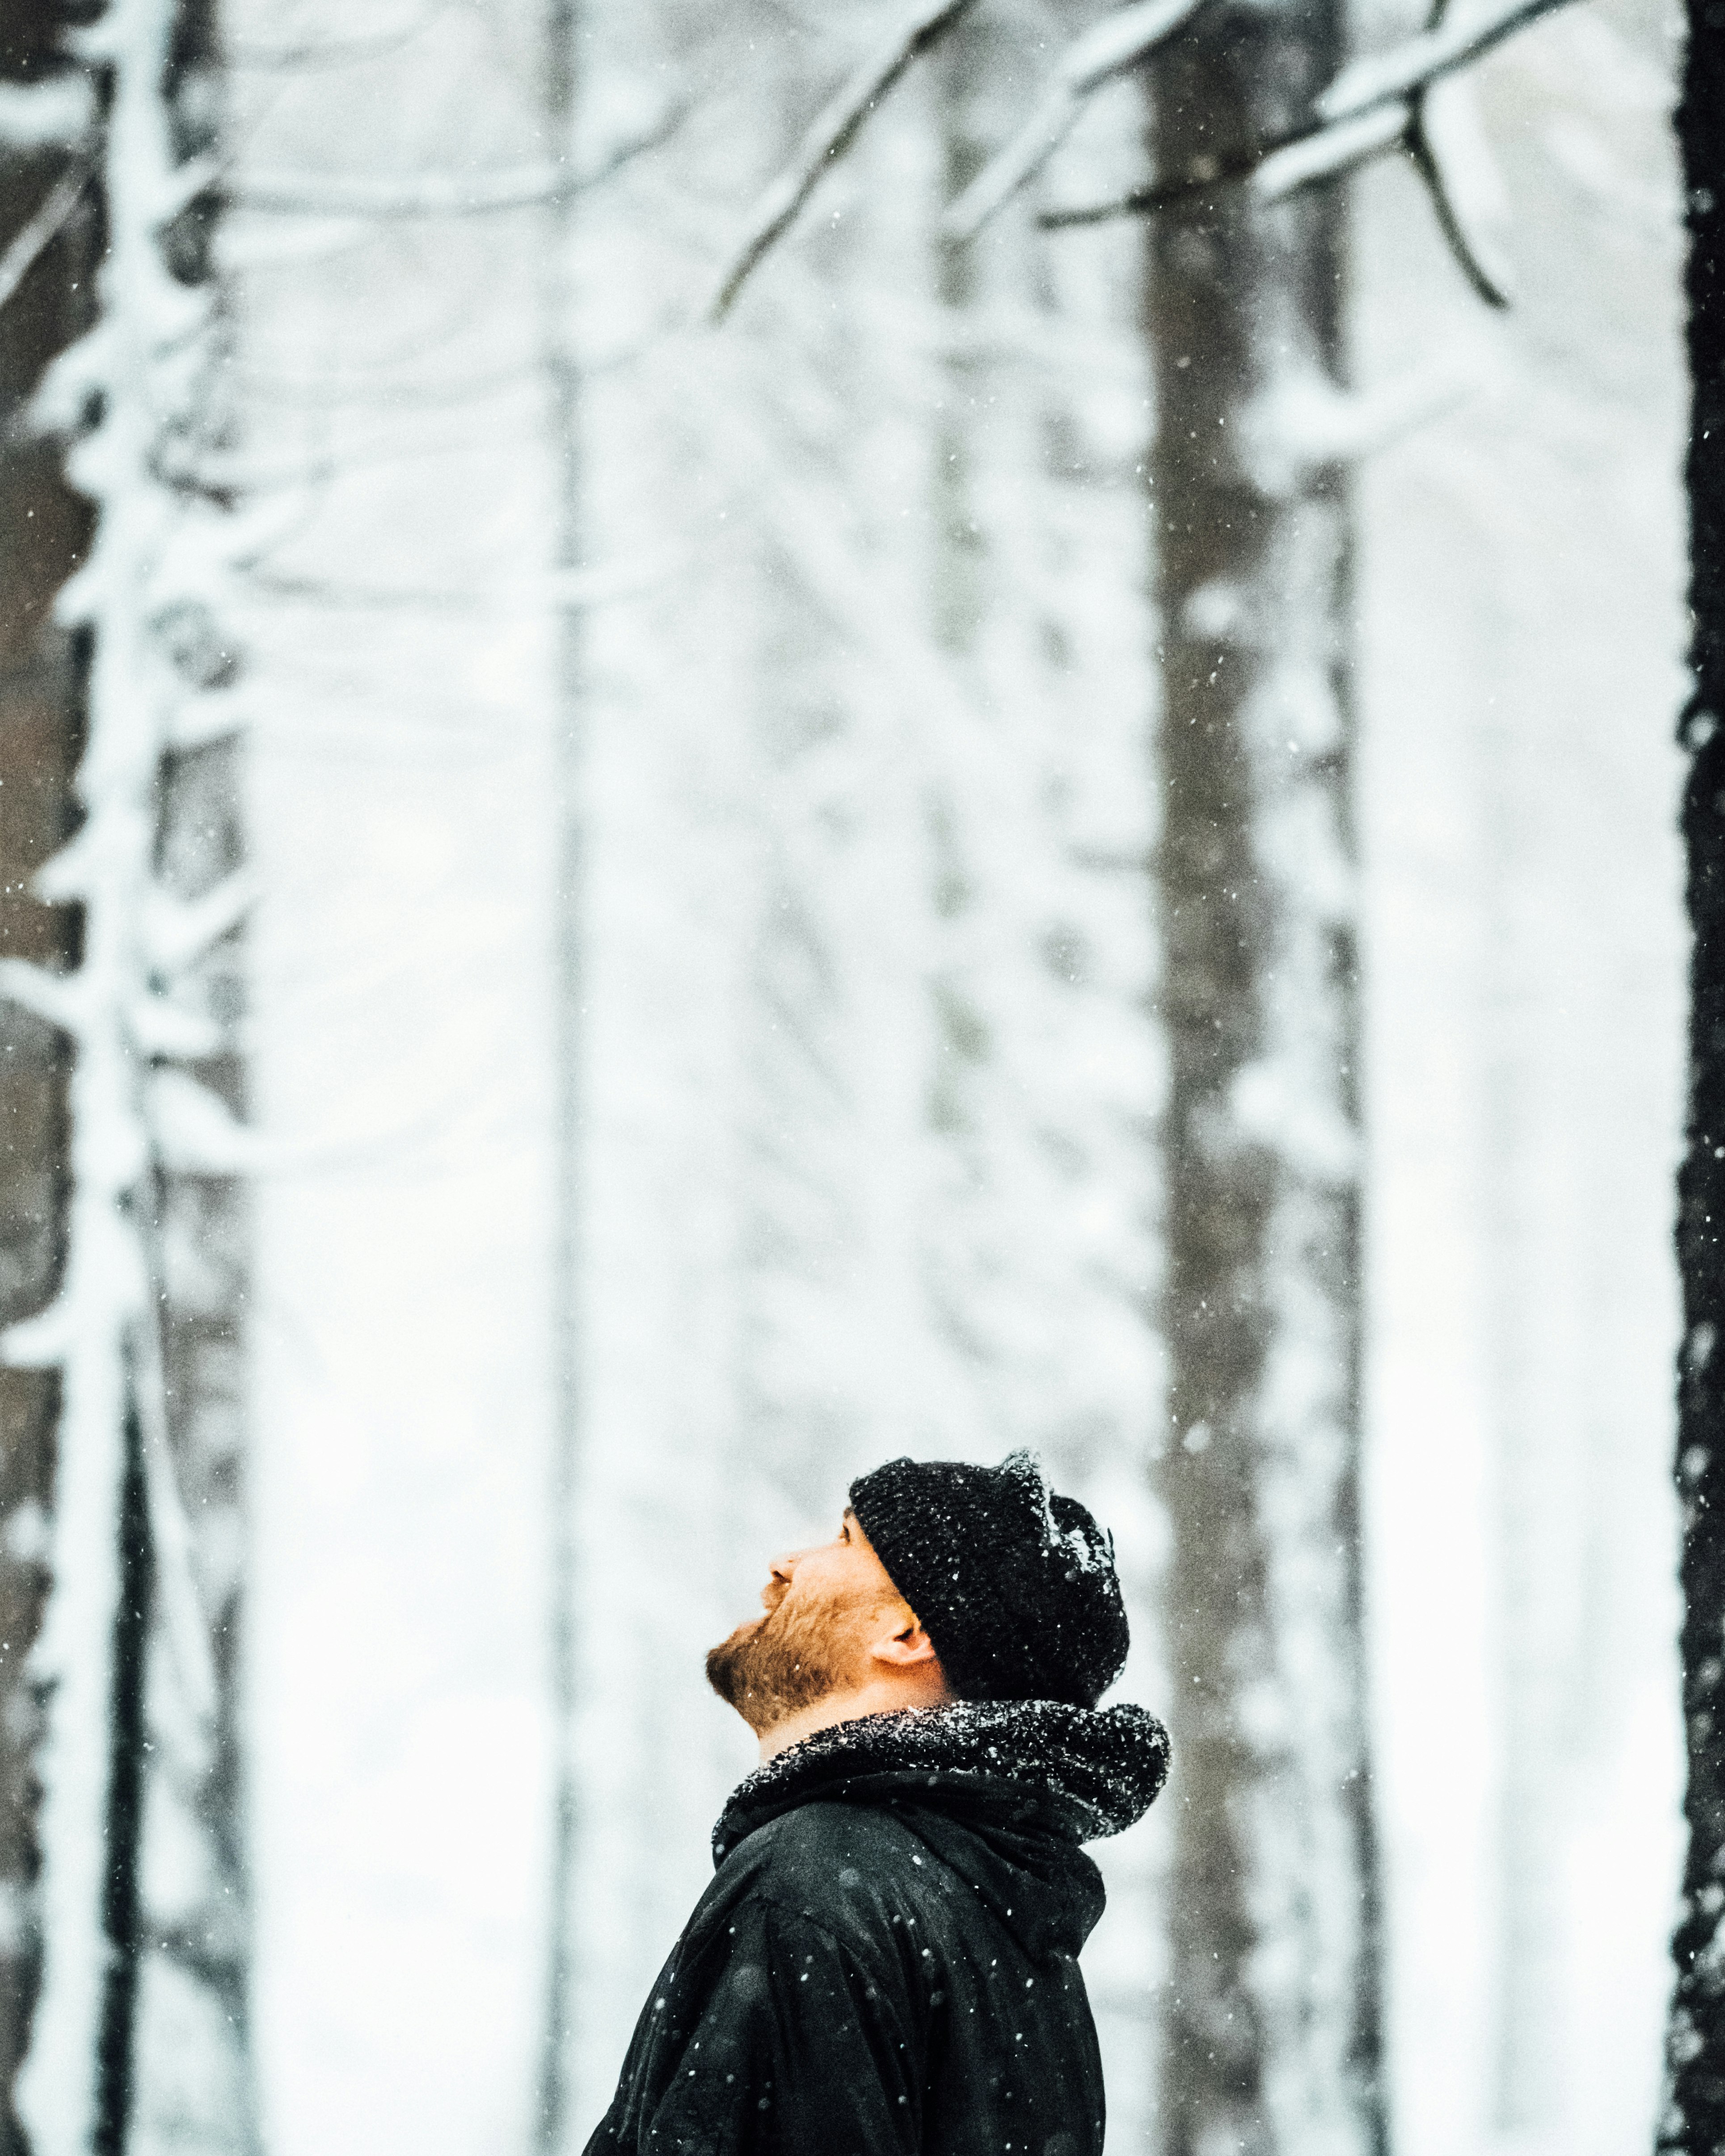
[[1375, 105], [1372, 107], [832, 134], [54, 114], [1107, 50], [40, 233], [1457, 41], [1332, 151]]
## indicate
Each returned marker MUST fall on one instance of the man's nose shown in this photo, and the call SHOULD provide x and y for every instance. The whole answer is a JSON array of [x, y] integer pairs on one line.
[[783, 1567]]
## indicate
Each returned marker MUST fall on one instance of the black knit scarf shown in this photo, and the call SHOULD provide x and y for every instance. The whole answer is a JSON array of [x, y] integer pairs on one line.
[[1097, 1768]]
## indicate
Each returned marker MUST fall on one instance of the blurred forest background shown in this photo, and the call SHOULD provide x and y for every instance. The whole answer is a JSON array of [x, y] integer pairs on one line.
[[1057, 834]]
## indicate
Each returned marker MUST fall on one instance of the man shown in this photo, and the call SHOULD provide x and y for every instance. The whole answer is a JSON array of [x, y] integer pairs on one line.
[[886, 1959]]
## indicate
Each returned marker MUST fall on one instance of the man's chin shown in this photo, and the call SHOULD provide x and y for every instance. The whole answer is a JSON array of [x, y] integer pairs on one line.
[[727, 1671], [767, 1681]]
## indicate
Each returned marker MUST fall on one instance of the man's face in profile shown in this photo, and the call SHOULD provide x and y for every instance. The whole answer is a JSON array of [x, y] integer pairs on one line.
[[823, 1605]]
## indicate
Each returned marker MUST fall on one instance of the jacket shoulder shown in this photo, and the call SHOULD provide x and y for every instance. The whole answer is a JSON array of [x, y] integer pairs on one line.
[[832, 1862]]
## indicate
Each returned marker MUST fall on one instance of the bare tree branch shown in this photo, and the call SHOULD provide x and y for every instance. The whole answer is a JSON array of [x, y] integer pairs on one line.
[[442, 194], [1385, 81], [276, 59], [1476, 262], [832, 134], [1200, 179], [1120, 41], [427, 194], [560, 590]]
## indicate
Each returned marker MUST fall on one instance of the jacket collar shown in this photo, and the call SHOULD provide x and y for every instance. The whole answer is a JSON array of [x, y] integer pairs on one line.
[[1092, 1770]]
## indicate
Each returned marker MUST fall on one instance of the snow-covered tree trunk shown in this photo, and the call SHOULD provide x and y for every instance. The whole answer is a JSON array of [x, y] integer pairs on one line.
[[1694, 2122], [44, 527], [141, 1895], [190, 2083], [1271, 2034]]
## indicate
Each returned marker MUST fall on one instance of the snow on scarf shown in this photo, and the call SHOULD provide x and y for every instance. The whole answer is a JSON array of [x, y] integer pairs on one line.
[[1102, 1767]]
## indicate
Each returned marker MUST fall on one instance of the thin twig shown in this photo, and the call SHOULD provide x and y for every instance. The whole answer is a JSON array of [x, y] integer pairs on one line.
[[277, 60], [1198, 181], [440, 194], [832, 134], [1423, 150], [1365, 85], [1485, 279], [562, 590], [429, 194], [39, 233]]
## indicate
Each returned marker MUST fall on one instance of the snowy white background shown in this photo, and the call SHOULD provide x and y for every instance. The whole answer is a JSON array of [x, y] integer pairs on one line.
[[1522, 623], [862, 1155]]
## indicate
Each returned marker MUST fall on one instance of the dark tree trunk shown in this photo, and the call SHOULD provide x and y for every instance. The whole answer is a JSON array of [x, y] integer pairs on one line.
[[1694, 2122], [44, 530], [1272, 2031]]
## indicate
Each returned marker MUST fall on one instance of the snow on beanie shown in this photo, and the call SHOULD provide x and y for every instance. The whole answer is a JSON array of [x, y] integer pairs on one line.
[[1015, 1586]]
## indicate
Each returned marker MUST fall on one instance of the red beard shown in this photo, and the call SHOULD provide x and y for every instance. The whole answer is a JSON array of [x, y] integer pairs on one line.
[[773, 1666]]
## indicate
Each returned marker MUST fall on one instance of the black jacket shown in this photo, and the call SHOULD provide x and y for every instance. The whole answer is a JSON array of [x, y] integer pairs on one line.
[[885, 1964]]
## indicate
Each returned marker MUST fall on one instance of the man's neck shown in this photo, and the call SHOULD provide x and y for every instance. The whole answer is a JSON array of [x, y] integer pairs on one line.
[[848, 1706]]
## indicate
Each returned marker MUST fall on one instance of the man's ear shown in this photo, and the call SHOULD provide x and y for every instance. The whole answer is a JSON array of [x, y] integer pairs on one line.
[[907, 1647]]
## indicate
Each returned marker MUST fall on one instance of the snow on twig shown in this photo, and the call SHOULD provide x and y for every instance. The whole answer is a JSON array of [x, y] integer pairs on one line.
[[50, 115], [1119, 42], [40, 232], [1305, 421], [1455, 42], [833, 130], [61, 998], [210, 718], [194, 1131], [159, 1026], [178, 931], [175, 190], [1331, 151]]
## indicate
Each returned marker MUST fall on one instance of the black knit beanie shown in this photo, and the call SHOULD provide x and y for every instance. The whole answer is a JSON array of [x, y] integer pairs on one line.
[[1015, 1586]]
